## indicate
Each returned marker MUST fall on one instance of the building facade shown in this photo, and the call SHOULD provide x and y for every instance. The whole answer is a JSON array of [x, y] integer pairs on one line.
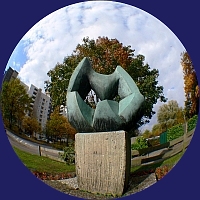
[[41, 105], [41, 102], [63, 110], [10, 74]]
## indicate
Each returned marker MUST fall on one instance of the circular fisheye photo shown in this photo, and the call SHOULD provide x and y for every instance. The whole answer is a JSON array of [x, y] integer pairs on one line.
[[99, 100]]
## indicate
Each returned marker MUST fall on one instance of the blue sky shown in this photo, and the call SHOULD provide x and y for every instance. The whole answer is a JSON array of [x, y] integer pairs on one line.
[[18, 57], [57, 35]]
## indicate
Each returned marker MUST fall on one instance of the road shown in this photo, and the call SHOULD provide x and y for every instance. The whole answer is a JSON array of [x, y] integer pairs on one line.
[[30, 147], [23, 145]]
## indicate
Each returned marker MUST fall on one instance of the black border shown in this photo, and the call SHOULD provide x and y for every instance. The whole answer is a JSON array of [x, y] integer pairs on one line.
[[17, 17]]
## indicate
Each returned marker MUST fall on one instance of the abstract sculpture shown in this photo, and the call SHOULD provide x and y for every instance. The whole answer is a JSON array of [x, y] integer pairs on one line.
[[109, 115], [102, 145]]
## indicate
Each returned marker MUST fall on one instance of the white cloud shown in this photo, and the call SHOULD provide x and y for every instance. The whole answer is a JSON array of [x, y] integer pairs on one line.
[[57, 35]]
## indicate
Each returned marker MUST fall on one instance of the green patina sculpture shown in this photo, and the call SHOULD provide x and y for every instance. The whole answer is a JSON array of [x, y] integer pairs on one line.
[[109, 115]]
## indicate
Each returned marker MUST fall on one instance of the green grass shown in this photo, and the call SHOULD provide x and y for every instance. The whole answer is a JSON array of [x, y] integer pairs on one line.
[[168, 162], [43, 164], [173, 160]]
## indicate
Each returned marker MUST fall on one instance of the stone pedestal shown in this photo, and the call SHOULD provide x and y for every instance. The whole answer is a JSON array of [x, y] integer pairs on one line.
[[103, 161]]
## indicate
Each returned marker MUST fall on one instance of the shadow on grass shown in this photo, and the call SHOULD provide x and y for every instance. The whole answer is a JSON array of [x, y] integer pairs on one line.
[[142, 173], [142, 177], [145, 169]]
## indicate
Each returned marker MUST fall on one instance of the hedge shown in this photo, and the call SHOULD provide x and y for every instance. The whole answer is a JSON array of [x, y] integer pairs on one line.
[[192, 122], [178, 130]]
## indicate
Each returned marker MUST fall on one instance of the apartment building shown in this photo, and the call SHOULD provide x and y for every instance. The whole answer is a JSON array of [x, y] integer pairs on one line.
[[9, 74], [41, 105]]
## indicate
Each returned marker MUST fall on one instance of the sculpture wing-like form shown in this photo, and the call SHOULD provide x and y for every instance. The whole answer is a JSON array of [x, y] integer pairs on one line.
[[109, 115]]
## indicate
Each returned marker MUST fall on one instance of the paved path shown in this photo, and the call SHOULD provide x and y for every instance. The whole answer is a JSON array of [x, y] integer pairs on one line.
[[22, 145], [29, 146]]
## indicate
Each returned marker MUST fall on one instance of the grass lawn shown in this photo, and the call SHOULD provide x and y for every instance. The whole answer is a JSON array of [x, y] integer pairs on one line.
[[43, 164], [168, 162]]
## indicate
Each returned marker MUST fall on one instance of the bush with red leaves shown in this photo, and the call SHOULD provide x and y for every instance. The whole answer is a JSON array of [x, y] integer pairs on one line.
[[162, 171], [142, 173], [47, 176]]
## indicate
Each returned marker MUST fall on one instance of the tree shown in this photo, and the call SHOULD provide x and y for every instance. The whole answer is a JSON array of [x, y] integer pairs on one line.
[[105, 55], [31, 125], [190, 86], [157, 129], [146, 80], [59, 127], [147, 134], [15, 102], [181, 116], [168, 114]]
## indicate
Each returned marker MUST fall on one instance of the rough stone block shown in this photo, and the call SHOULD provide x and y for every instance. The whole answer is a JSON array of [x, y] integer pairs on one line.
[[103, 161]]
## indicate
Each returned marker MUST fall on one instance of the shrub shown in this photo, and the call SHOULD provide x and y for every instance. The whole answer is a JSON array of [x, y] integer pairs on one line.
[[192, 122], [175, 132], [50, 176], [69, 155], [162, 171], [178, 130], [140, 143]]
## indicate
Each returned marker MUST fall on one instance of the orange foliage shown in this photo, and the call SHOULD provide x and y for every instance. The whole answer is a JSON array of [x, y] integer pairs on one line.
[[105, 54], [58, 125], [190, 86]]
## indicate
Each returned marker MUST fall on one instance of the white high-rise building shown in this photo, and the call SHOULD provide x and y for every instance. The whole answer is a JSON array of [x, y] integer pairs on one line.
[[41, 105], [63, 110]]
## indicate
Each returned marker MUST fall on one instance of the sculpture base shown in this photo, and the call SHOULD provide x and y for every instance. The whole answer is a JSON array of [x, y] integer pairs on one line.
[[103, 162]]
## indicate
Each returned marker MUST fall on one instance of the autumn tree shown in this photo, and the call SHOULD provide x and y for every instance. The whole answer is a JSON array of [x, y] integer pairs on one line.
[[190, 86], [181, 116], [147, 134], [31, 125], [168, 114], [157, 129], [58, 126], [105, 55], [15, 102]]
